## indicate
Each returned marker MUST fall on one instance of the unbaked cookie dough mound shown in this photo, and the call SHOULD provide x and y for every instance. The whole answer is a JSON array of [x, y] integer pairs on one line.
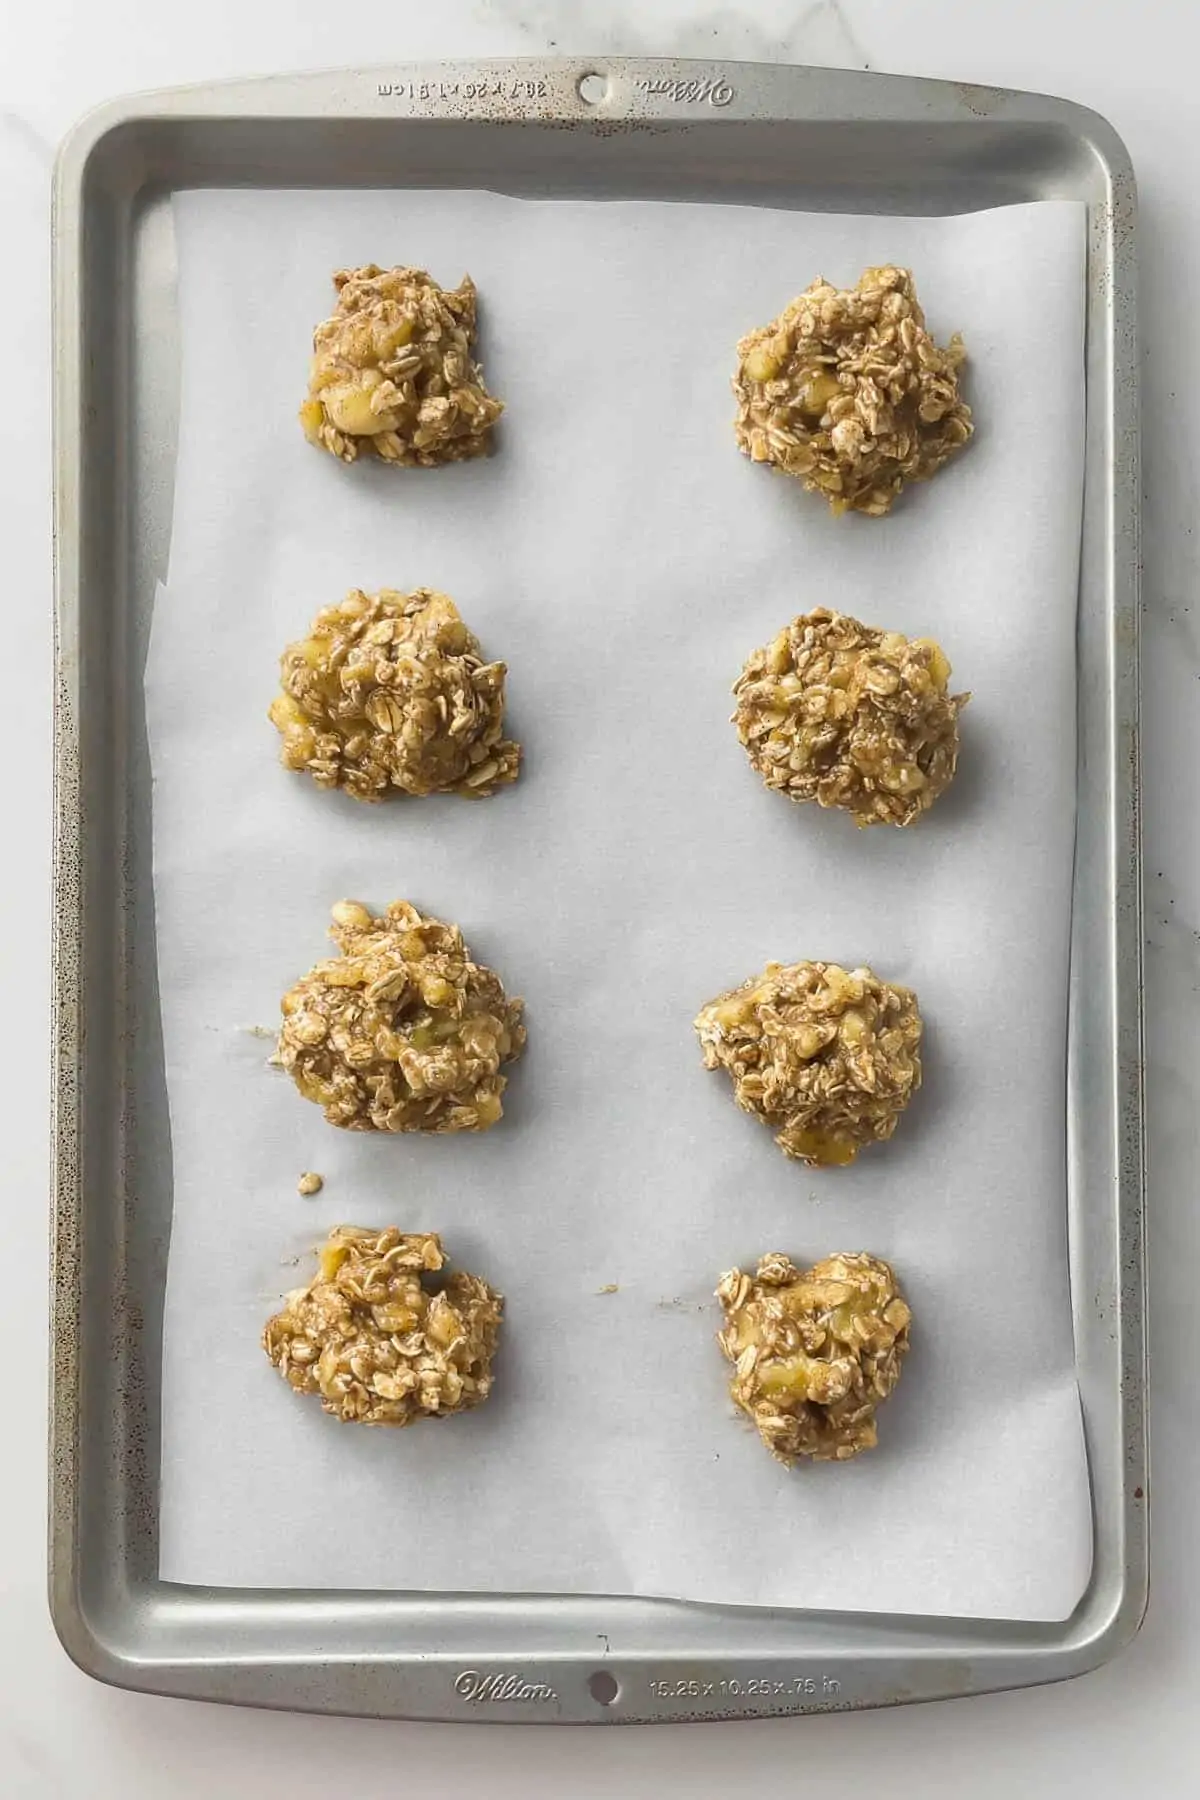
[[391, 693], [847, 391], [827, 1057], [393, 373], [377, 1340], [402, 1031], [814, 1351], [838, 712]]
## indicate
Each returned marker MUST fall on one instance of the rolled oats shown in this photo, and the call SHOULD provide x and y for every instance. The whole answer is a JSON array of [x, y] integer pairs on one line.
[[402, 1031], [847, 391], [393, 374], [390, 693], [377, 1340], [828, 1058], [814, 1351], [837, 712]]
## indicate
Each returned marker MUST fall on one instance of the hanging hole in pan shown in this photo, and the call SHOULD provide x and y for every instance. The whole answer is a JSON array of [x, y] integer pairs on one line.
[[592, 88], [603, 1687]]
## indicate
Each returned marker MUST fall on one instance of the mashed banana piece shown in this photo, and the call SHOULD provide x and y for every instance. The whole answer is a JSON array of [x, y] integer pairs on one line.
[[837, 712], [402, 1031], [827, 1057], [392, 372], [373, 1338], [847, 391], [814, 1351], [391, 692]]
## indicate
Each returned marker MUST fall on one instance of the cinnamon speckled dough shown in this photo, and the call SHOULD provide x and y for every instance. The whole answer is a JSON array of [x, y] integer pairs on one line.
[[402, 1031], [379, 1341], [841, 713], [814, 1351], [827, 1057], [390, 693], [847, 392], [393, 374]]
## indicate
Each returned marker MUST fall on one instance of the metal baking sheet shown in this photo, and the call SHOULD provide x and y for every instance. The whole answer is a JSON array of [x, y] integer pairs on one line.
[[812, 139]]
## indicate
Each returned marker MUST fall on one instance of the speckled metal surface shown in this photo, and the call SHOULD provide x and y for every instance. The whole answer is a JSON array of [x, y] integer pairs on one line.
[[812, 138]]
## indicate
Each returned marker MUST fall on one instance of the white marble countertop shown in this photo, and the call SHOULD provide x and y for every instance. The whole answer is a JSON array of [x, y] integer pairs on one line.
[[1129, 1729]]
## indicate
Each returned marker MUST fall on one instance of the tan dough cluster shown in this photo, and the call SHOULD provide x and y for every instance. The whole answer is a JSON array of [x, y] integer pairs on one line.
[[837, 712], [391, 693], [401, 1031], [814, 1351], [827, 1057], [393, 374], [376, 1341], [847, 391]]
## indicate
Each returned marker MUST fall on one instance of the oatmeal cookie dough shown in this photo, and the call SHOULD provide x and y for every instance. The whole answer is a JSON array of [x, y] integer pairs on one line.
[[402, 1031], [393, 375], [391, 693], [377, 1341], [827, 1057], [847, 391], [814, 1351], [837, 712]]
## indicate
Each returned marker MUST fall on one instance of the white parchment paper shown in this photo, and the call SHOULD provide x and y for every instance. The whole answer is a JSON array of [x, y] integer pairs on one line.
[[624, 559]]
